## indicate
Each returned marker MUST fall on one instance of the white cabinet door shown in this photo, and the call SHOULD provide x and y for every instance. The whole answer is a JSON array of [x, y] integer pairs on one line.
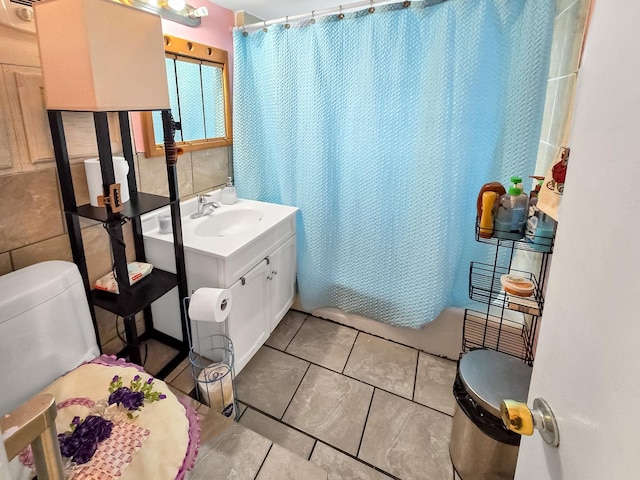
[[282, 277], [249, 325]]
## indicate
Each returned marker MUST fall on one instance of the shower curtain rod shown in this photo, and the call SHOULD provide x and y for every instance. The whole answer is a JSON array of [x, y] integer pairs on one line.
[[314, 14]]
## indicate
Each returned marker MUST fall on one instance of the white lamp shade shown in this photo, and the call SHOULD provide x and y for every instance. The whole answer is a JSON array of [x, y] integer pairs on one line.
[[99, 55]]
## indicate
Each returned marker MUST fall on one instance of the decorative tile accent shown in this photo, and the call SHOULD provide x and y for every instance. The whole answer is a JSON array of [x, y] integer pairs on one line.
[[340, 466], [279, 433], [286, 330], [56, 248], [383, 364], [34, 207], [281, 464], [323, 342], [236, 451], [269, 380], [210, 168], [406, 440], [331, 407], [434, 383]]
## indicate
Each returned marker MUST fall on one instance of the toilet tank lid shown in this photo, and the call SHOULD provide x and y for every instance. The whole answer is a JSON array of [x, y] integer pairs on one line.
[[30, 286], [489, 377]]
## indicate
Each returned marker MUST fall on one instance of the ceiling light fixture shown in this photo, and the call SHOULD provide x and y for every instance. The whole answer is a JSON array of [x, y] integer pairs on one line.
[[175, 10]]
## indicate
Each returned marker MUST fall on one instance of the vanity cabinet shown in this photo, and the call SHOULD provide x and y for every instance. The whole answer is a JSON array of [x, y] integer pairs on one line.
[[281, 281], [249, 321], [259, 267]]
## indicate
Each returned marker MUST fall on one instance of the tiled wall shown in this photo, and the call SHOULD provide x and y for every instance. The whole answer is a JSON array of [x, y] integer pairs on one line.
[[32, 226], [568, 36]]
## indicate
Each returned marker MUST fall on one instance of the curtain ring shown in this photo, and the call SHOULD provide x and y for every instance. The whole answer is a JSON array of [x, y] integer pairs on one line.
[[264, 28], [287, 25], [244, 32], [313, 17], [340, 15], [371, 9], [406, 4]]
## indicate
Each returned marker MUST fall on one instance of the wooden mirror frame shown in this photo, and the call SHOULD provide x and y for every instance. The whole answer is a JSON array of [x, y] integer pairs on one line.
[[186, 48]]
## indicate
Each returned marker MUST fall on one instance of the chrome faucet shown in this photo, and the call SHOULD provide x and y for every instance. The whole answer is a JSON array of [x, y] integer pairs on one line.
[[204, 207]]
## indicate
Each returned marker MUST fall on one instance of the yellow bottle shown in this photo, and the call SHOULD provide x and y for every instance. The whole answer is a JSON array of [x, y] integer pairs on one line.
[[486, 218]]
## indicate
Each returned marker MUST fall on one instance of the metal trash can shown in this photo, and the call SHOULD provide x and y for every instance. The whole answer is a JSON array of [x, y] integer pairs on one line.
[[481, 448]]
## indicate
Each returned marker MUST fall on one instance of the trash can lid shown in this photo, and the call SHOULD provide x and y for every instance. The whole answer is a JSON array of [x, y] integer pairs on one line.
[[489, 377]]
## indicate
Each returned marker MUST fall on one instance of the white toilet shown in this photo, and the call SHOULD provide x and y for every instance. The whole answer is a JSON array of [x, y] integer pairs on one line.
[[45, 329]]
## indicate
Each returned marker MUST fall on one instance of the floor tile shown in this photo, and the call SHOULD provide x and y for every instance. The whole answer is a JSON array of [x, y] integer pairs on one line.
[[383, 364], [281, 464], [183, 381], [434, 383], [279, 433], [158, 355], [236, 453], [241, 409], [194, 403], [331, 407], [211, 423], [340, 466], [269, 380], [286, 330], [177, 371], [406, 440], [323, 342]]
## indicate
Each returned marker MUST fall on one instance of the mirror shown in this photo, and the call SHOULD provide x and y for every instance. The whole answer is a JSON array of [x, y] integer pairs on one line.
[[198, 80]]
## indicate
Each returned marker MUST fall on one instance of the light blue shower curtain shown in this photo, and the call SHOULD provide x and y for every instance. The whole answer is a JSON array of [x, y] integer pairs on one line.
[[382, 128]]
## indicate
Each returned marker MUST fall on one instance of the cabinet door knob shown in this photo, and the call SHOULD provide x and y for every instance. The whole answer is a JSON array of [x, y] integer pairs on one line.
[[518, 418]]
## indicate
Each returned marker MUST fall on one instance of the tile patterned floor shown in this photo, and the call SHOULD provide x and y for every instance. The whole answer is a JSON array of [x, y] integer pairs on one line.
[[373, 408], [355, 405]]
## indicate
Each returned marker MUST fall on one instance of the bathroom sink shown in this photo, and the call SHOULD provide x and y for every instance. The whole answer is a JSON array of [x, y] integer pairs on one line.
[[228, 223]]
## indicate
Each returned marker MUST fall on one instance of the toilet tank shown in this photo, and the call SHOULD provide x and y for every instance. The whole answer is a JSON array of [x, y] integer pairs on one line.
[[45, 329]]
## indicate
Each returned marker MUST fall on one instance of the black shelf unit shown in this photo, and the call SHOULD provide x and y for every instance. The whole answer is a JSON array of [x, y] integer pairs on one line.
[[138, 297], [495, 327]]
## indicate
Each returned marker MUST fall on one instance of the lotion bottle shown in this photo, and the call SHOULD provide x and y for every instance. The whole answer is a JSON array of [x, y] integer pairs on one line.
[[229, 195]]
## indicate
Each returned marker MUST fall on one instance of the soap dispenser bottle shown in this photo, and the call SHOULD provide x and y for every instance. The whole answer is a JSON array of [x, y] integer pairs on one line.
[[512, 213], [229, 195]]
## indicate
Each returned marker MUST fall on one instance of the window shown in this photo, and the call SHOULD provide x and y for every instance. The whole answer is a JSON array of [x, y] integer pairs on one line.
[[198, 82]]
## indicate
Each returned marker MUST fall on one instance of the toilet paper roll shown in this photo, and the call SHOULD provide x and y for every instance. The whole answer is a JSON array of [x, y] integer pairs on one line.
[[216, 387], [94, 178], [210, 304]]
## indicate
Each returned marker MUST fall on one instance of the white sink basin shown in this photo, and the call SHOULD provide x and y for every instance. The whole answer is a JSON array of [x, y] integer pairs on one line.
[[228, 223], [229, 230]]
